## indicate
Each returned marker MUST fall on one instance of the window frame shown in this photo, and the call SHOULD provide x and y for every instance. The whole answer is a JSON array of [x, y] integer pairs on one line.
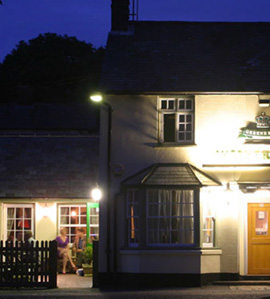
[[19, 206], [143, 226], [173, 108], [69, 225]]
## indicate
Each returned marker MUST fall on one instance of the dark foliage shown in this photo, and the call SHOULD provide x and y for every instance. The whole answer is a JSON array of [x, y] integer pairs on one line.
[[50, 68]]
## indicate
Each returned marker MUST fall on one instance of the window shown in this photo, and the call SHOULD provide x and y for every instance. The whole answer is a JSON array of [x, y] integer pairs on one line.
[[208, 227], [132, 215], [72, 217], [176, 117], [94, 221], [170, 217], [19, 221], [166, 217], [75, 216]]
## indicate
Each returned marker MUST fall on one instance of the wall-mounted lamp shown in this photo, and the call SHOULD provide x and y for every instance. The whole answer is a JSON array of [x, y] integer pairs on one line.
[[45, 211], [96, 194], [264, 102]]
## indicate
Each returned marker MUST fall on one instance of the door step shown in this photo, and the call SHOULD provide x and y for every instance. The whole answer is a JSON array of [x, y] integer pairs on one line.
[[242, 282]]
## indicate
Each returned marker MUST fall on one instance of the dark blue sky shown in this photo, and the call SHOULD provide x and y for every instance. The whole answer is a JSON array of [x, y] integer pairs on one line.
[[89, 20]]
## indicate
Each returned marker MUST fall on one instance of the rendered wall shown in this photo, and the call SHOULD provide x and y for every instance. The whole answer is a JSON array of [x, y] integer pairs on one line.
[[218, 119]]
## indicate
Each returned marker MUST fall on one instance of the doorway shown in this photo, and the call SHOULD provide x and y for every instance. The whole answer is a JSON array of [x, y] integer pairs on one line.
[[258, 238]]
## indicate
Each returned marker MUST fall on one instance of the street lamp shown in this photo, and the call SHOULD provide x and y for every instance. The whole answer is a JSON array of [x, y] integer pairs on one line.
[[98, 98]]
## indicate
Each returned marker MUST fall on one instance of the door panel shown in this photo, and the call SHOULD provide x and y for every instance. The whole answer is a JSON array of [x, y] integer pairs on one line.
[[258, 239]]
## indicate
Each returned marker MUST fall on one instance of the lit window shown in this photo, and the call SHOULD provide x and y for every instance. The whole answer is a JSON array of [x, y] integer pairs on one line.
[[72, 217], [75, 216], [19, 221], [208, 238], [132, 216], [176, 120], [170, 217], [165, 218]]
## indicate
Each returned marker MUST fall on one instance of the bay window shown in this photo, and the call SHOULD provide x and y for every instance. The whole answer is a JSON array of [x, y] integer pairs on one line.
[[161, 217]]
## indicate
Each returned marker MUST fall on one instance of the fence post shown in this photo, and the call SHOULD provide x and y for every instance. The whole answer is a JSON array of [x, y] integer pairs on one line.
[[95, 264], [53, 264]]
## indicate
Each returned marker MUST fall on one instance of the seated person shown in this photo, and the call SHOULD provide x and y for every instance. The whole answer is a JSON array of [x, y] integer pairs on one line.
[[79, 246], [63, 249]]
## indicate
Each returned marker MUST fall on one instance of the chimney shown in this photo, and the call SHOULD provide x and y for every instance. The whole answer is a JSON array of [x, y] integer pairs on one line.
[[120, 15]]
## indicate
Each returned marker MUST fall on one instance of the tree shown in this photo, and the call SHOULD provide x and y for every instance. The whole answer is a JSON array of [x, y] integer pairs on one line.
[[50, 68]]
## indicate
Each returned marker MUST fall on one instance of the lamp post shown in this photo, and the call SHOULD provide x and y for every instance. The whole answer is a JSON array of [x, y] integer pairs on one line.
[[99, 99]]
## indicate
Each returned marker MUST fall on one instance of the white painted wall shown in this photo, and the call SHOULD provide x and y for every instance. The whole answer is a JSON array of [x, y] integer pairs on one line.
[[218, 119]]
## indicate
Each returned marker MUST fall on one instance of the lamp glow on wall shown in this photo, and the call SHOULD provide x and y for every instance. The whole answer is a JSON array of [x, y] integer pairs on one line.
[[96, 194], [45, 211]]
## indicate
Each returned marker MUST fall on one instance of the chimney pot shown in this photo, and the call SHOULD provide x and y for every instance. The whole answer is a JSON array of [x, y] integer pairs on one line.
[[120, 15]]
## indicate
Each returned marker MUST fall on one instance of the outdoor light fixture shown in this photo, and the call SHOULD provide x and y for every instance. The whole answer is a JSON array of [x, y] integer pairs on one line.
[[45, 211], [97, 97], [96, 194], [264, 102]]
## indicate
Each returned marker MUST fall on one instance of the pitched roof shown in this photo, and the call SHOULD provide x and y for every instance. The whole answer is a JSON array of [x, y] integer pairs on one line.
[[188, 57], [48, 117], [181, 174]]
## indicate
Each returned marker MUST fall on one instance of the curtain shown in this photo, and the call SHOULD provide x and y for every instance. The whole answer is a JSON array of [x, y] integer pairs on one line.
[[170, 217], [10, 216]]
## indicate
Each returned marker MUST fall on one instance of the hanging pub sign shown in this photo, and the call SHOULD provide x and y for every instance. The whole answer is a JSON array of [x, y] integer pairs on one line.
[[261, 131]]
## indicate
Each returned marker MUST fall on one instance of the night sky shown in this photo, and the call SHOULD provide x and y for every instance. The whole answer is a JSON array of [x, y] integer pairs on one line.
[[89, 20]]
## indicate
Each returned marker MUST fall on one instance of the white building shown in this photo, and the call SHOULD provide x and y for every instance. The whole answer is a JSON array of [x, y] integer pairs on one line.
[[188, 198]]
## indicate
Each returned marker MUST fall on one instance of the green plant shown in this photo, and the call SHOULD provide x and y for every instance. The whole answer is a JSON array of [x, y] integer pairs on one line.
[[88, 254]]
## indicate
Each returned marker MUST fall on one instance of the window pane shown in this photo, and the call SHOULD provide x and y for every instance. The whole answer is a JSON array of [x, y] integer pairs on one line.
[[153, 210], [64, 211], [10, 213], [181, 118], [74, 219], [181, 127], [171, 219], [189, 118], [181, 104], [83, 219], [189, 127], [171, 104], [163, 104], [10, 224], [83, 211], [175, 237], [153, 223], [64, 220], [189, 104], [169, 127], [94, 220], [187, 237], [188, 136], [181, 136]]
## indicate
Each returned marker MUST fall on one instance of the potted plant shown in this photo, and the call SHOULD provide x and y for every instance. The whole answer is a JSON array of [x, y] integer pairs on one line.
[[88, 260]]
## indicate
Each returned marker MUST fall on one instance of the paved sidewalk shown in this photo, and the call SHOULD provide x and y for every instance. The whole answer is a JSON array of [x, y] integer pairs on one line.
[[221, 292]]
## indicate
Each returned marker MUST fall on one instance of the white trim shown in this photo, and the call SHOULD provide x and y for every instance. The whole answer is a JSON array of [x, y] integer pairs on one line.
[[19, 205]]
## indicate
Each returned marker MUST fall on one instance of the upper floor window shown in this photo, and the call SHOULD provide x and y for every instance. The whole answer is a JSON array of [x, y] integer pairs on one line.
[[176, 120]]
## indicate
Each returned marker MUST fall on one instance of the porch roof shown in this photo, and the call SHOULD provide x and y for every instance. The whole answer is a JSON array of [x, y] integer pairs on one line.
[[180, 174]]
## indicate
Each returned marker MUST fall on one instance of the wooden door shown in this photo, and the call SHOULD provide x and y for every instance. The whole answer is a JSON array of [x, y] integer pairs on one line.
[[258, 239]]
